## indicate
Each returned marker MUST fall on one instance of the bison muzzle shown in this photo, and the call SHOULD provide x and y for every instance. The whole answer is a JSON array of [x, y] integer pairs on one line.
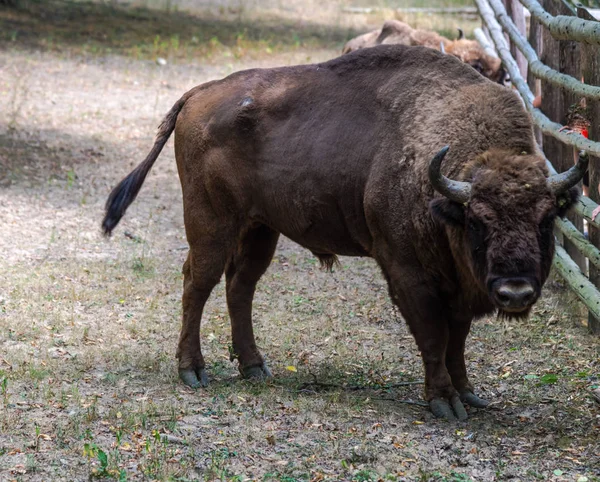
[[348, 157]]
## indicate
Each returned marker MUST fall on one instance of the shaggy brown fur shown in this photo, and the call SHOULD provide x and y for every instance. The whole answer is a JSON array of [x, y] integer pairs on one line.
[[335, 156], [396, 32], [362, 41]]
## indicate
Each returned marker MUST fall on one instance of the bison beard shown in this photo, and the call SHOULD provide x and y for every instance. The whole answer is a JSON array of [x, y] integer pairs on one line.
[[344, 158]]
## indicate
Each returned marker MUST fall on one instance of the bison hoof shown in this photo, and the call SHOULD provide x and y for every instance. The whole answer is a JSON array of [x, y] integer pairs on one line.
[[194, 378], [260, 372], [451, 411], [473, 400]]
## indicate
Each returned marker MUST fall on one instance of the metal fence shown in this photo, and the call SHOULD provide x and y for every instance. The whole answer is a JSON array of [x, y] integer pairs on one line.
[[558, 61]]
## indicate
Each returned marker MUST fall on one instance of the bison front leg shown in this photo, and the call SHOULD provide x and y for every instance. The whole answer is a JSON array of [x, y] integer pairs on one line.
[[455, 362], [432, 336], [426, 315]]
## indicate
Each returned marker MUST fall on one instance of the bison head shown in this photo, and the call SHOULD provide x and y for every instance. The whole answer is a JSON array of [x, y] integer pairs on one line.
[[491, 68], [503, 221], [471, 53]]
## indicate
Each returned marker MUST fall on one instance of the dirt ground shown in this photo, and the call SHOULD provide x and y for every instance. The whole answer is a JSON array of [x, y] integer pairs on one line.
[[88, 326]]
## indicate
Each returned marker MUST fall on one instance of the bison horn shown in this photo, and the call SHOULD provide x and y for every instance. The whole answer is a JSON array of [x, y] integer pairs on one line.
[[457, 191], [461, 34], [442, 48], [559, 183]]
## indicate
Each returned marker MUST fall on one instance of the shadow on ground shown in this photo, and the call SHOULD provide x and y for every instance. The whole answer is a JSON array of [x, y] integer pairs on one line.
[[29, 158], [105, 28]]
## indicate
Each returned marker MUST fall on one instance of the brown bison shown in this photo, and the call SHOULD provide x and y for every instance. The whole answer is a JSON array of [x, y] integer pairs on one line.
[[346, 158], [468, 51]]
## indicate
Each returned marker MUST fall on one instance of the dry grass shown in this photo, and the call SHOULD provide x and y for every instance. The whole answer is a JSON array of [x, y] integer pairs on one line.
[[181, 33], [88, 327]]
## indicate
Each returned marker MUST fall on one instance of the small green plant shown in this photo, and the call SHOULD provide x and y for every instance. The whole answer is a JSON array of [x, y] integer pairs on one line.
[[31, 463], [276, 476], [548, 379], [217, 469], [4, 390], [92, 410], [92, 451], [452, 477], [142, 268], [156, 46], [175, 43], [70, 178], [364, 475], [36, 443]]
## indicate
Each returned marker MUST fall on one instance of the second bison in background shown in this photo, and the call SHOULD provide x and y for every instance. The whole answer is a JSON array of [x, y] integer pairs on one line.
[[345, 158], [468, 51]]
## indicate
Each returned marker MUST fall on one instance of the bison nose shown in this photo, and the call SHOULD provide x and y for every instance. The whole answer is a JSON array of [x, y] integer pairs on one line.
[[515, 296]]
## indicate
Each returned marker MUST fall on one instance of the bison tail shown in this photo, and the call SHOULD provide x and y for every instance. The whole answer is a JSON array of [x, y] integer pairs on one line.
[[126, 191]]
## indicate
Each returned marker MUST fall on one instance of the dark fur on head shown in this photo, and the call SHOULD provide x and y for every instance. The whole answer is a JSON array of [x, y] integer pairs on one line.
[[507, 226], [510, 316]]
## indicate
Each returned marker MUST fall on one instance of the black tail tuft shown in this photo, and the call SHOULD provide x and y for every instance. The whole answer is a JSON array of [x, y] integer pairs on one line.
[[120, 198], [126, 191]]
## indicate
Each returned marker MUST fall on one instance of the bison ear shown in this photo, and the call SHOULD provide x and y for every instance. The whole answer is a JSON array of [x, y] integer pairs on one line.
[[448, 212], [566, 200]]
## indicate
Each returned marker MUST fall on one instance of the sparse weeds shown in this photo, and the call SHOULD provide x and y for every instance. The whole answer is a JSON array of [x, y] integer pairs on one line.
[[166, 48], [4, 389], [70, 178], [279, 477], [31, 464], [143, 33], [217, 468], [142, 267], [104, 464], [437, 476]]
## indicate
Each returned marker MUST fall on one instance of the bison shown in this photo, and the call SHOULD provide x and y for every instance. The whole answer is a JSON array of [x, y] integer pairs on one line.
[[399, 153], [468, 51]]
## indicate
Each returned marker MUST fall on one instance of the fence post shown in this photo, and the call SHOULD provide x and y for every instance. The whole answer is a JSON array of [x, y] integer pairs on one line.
[[563, 56], [515, 11], [590, 64], [535, 85]]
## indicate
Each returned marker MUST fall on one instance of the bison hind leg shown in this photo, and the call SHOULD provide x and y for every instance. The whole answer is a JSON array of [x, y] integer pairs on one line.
[[328, 261], [254, 253]]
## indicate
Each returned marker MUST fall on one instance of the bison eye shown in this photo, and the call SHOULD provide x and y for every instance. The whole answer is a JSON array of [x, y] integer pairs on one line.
[[477, 233], [478, 67]]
